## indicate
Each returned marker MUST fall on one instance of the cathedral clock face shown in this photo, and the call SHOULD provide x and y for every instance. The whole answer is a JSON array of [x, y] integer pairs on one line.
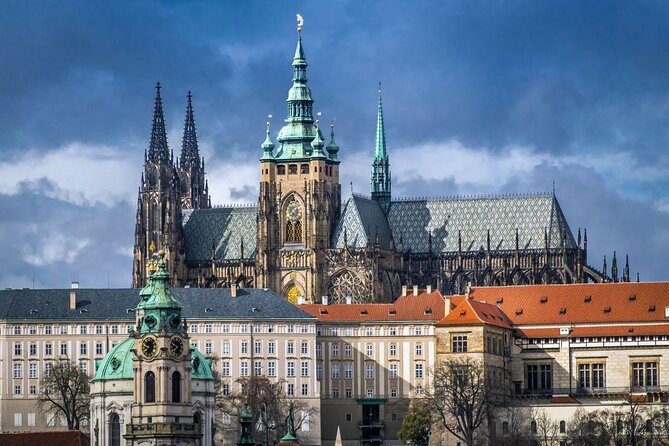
[[293, 211], [177, 346], [149, 347]]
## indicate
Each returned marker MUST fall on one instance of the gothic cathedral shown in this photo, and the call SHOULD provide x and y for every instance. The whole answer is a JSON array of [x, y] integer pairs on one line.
[[304, 243]]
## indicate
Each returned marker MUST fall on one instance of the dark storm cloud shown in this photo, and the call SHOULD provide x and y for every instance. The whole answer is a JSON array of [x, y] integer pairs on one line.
[[565, 79]]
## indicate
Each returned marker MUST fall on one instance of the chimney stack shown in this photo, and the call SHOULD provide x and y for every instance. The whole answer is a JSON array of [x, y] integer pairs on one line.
[[73, 300], [348, 300], [447, 306], [233, 290], [415, 290], [324, 300], [468, 290], [300, 300], [429, 289], [404, 290]]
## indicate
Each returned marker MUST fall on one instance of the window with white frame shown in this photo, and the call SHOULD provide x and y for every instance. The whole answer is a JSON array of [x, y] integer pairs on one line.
[[33, 349], [418, 331], [271, 368], [271, 348], [33, 389], [225, 328], [419, 349], [48, 367], [18, 419], [290, 389], [369, 349], [335, 350], [225, 348], [114, 329], [393, 370], [244, 368], [244, 328], [319, 350], [48, 349], [83, 329], [17, 389], [83, 366], [257, 368], [290, 328], [335, 392], [370, 392], [319, 371], [393, 392], [304, 369], [290, 369], [305, 421], [208, 348], [348, 350], [334, 331], [17, 329], [244, 347], [305, 389], [98, 329], [369, 331], [194, 328], [271, 328], [393, 349], [304, 347], [83, 348], [348, 370], [419, 370], [32, 370], [369, 370], [256, 328], [63, 349], [208, 328], [32, 329], [459, 343], [18, 370], [393, 331], [48, 329], [98, 348], [334, 368], [304, 328], [18, 349], [348, 392], [225, 368]]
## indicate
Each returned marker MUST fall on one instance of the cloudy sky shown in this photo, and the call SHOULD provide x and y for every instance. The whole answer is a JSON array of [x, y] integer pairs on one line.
[[479, 97]]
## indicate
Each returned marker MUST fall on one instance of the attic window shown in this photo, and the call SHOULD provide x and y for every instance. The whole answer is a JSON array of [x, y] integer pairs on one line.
[[322, 312], [651, 308], [208, 310], [543, 300], [363, 313], [607, 309], [33, 311], [129, 310], [83, 311], [427, 311], [519, 311], [563, 310], [463, 313], [392, 312], [630, 330], [632, 297], [587, 299], [500, 301]]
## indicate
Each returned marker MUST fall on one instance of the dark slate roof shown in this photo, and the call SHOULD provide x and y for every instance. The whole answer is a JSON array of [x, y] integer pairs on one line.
[[225, 228], [412, 220], [114, 304], [362, 218]]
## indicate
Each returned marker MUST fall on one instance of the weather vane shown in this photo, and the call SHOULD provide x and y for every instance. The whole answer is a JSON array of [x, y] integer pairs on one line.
[[300, 22]]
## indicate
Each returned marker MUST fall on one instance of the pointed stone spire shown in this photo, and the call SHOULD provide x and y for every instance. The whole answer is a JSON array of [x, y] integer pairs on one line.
[[190, 155], [317, 145], [626, 270], [381, 181], [158, 151], [605, 267], [614, 268]]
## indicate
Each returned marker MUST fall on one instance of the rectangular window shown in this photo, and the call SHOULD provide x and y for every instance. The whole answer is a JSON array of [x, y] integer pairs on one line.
[[539, 377], [290, 328], [31, 418], [304, 348], [33, 349], [369, 370], [459, 343], [48, 349], [32, 330], [256, 328], [369, 332], [225, 328], [348, 350], [304, 328], [83, 366], [370, 392], [348, 392], [83, 329], [32, 370], [17, 329], [348, 370], [271, 369], [369, 349], [225, 389], [319, 371], [393, 371], [226, 348], [17, 390], [244, 347], [290, 389], [290, 369], [419, 370], [393, 349], [334, 331], [271, 328], [194, 328], [644, 374], [225, 368], [318, 350], [393, 331], [257, 368], [304, 369], [348, 331], [208, 348], [83, 348], [18, 349], [48, 329], [271, 348], [244, 368], [18, 419], [393, 392], [18, 370], [419, 349], [335, 392], [47, 369], [244, 328], [63, 349], [114, 329], [418, 331], [98, 329], [335, 350], [591, 376], [207, 328], [334, 367], [33, 389], [290, 348], [257, 347], [98, 348], [305, 389]]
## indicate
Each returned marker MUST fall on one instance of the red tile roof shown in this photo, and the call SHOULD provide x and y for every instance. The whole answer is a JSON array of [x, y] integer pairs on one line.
[[564, 400], [424, 307], [53, 438], [578, 303], [471, 312]]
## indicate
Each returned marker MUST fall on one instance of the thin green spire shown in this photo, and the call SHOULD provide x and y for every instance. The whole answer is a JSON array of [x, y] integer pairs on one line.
[[380, 146], [380, 181]]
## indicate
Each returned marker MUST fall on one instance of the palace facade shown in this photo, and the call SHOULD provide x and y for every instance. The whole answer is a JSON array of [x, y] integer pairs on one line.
[[300, 240]]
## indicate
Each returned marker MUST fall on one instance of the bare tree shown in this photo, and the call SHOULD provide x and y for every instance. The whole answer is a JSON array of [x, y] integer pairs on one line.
[[64, 390], [587, 429], [634, 422], [516, 430], [461, 398], [547, 429], [273, 411]]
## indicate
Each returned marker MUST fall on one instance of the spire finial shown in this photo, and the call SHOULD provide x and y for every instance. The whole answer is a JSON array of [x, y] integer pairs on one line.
[[300, 22], [267, 145], [158, 150], [190, 154], [380, 181]]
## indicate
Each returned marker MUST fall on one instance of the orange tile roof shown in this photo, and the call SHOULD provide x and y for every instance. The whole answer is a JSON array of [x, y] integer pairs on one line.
[[564, 400], [578, 303], [424, 307], [471, 312], [57, 438]]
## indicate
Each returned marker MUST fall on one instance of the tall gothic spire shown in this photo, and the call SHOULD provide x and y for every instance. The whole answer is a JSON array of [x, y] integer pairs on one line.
[[158, 151], [190, 155], [380, 182]]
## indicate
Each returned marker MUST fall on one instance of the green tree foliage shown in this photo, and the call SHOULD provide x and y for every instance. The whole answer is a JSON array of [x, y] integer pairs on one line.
[[416, 425]]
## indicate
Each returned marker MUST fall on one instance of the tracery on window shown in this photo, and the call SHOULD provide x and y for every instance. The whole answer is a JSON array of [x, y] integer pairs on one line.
[[348, 285]]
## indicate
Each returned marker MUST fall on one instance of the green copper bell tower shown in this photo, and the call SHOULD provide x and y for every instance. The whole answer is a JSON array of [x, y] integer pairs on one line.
[[380, 183]]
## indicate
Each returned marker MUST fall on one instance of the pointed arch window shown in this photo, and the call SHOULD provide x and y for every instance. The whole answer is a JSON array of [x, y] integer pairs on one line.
[[293, 222], [176, 387], [150, 387], [114, 430]]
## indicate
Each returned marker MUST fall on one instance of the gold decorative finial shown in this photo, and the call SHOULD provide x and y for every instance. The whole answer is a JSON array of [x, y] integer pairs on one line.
[[300, 22], [152, 248]]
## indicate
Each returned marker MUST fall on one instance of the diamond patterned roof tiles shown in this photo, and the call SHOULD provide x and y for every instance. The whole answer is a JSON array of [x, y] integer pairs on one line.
[[363, 218], [412, 220], [225, 227]]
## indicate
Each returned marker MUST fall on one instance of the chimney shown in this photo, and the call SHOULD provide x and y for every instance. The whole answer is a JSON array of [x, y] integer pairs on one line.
[[348, 300], [73, 300], [300, 300], [404, 290], [324, 300], [233, 290], [468, 290], [447, 306], [74, 285], [415, 290], [429, 289]]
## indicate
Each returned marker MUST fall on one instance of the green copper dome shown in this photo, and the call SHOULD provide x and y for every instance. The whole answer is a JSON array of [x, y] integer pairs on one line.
[[117, 364]]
